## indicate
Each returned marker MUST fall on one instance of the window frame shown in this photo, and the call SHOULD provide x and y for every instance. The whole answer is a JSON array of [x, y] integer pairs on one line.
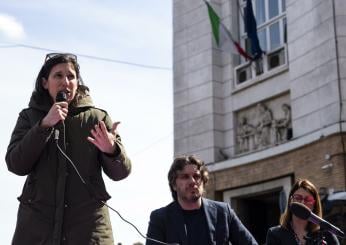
[[281, 19]]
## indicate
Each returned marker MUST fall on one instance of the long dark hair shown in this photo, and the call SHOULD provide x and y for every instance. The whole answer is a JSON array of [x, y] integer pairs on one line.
[[40, 94]]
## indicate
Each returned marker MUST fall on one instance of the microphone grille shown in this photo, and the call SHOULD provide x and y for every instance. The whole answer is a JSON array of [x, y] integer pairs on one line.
[[61, 96], [300, 210]]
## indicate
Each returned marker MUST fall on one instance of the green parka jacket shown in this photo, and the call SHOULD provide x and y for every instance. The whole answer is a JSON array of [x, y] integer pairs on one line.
[[56, 207]]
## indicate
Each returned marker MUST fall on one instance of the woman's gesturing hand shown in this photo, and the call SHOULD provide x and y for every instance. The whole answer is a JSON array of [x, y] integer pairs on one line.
[[102, 139]]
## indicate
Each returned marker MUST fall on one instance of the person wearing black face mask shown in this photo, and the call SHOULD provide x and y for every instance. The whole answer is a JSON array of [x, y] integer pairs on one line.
[[295, 230], [62, 142]]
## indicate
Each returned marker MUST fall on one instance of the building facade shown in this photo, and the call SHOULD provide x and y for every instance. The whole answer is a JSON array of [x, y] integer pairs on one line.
[[261, 125]]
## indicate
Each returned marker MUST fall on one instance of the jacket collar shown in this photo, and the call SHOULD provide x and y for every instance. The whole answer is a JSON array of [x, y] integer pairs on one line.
[[211, 216], [45, 103]]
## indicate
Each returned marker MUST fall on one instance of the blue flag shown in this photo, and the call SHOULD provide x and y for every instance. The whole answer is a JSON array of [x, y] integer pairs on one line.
[[251, 29]]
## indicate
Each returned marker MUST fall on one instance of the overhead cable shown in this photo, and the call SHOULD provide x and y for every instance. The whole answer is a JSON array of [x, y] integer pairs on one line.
[[93, 57]]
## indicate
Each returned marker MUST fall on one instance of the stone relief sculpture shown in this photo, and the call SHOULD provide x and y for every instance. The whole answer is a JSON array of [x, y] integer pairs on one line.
[[263, 127], [282, 127], [264, 130], [246, 133]]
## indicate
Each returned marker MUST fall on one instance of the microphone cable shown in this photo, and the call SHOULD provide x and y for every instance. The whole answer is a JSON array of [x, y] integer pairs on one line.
[[56, 138]]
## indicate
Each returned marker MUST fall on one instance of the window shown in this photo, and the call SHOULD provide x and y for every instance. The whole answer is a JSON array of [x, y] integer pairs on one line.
[[271, 29], [271, 23]]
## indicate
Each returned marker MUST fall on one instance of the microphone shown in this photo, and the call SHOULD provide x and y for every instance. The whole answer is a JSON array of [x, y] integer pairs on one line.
[[303, 212], [61, 96]]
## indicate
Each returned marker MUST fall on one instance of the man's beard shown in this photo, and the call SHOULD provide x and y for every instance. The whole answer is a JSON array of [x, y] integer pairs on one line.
[[192, 197]]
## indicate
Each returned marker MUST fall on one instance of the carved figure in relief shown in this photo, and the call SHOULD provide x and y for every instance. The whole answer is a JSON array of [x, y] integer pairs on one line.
[[282, 127], [246, 133], [263, 128]]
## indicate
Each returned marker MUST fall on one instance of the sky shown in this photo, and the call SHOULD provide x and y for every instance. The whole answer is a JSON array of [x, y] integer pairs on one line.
[[134, 86]]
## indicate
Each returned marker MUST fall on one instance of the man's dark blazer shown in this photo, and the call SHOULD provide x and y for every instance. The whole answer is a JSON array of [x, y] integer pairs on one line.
[[167, 225]]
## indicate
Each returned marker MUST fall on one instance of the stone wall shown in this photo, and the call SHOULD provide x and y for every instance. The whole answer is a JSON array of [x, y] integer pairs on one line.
[[307, 162]]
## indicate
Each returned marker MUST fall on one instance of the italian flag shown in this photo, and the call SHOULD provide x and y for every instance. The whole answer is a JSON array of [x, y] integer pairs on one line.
[[222, 35]]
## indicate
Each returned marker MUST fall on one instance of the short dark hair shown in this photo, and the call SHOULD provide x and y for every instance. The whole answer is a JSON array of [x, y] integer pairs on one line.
[[40, 94], [179, 163]]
